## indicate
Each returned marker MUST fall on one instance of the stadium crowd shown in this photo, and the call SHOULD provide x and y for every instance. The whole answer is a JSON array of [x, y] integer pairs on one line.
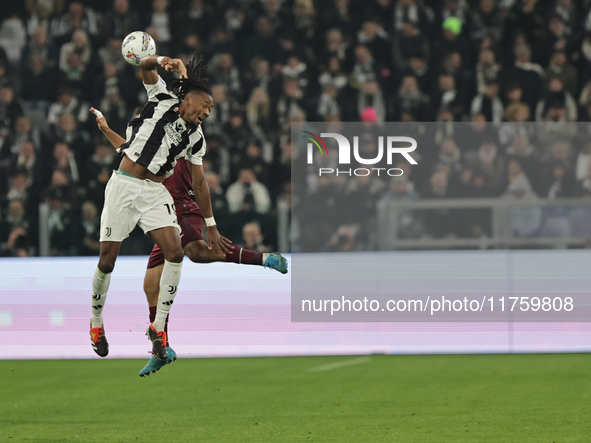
[[274, 62]]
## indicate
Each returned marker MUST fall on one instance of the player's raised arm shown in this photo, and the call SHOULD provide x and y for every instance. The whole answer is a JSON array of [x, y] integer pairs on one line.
[[201, 189], [149, 64], [115, 139]]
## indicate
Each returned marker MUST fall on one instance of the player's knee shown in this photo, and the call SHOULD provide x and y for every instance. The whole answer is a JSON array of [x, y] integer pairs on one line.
[[106, 266], [175, 256]]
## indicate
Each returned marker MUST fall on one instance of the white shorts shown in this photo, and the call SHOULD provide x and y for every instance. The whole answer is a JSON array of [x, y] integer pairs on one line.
[[130, 201]]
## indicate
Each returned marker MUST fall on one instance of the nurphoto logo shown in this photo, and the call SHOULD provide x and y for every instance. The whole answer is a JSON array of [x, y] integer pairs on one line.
[[394, 145]]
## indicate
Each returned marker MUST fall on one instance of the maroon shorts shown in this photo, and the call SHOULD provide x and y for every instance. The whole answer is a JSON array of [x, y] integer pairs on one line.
[[191, 223]]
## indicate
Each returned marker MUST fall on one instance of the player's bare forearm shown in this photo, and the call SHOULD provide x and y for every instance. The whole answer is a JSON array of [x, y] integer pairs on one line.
[[149, 64], [148, 67], [202, 194], [115, 139]]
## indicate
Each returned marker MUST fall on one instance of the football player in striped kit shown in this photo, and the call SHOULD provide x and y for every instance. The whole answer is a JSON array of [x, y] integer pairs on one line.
[[166, 130]]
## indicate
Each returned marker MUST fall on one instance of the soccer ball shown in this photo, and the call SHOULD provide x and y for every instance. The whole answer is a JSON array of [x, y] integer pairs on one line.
[[136, 46]]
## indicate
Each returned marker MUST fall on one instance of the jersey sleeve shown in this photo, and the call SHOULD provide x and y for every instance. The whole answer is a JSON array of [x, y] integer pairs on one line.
[[197, 151], [158, 91]]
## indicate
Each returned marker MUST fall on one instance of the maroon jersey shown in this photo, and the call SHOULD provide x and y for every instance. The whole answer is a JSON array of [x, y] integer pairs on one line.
[[180, 186]]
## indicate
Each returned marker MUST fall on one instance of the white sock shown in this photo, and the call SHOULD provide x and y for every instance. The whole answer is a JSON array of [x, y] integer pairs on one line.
[[265, 255], [100, 286], [171, 275]]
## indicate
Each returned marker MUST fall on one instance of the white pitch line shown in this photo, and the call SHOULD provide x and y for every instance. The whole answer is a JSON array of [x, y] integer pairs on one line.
[[340, 364]]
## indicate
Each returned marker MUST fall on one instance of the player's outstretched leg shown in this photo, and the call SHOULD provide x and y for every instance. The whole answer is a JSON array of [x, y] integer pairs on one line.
[[155, 364], [198, 253], [275, 261]]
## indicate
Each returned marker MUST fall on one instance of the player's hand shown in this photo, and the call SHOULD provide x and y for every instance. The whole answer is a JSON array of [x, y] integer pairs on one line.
[[226, 244], [100, 120], [174, 65], [214, 239]]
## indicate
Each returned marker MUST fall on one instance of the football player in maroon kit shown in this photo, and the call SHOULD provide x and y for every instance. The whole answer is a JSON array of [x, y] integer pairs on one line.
[[187, 186]]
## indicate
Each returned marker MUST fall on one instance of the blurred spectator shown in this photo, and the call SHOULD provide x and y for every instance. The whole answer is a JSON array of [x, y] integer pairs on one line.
[[67, 103], [562, 183], [78, 45], [220, 113], [489, 104], [253, 160], [526, 74], [23, 132], [451, 39], [40, 45], [408, 12], [373, 36], [408, 44], [27, 161], [328, 103], [450, 156], [13, 38], [346, 238], [291, 101], [487, 69], [219, 203], [78, 17], [561, 69], [64, 161], [247, 194], [410, 99], [367, 69], [487, 20], [263, 44], [17, 244], [44, 14], [446, 97], [10, 111], [370, 95], [197, 18], [89, 229], [333, 75], [336, 47], [558, 105], [66, 131], [98, 170], [253, 238], [18, 187], [490, 164], [120, 20], [303, 20], [61, 221], [39, 83], [296, 69], [223, 72], [15, 218], [557, 38], [524, 221]]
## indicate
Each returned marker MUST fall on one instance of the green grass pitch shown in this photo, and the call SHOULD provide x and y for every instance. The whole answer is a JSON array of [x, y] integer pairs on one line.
[[428, 398]]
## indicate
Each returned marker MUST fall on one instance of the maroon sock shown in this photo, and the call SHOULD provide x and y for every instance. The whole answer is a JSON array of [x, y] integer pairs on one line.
[[153, 317], [244, 256]]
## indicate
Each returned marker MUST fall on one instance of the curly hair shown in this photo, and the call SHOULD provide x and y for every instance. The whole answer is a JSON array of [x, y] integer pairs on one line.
[[195, 80]]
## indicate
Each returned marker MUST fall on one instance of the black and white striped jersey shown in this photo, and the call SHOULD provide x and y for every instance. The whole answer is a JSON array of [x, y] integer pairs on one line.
[[159, 136]]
